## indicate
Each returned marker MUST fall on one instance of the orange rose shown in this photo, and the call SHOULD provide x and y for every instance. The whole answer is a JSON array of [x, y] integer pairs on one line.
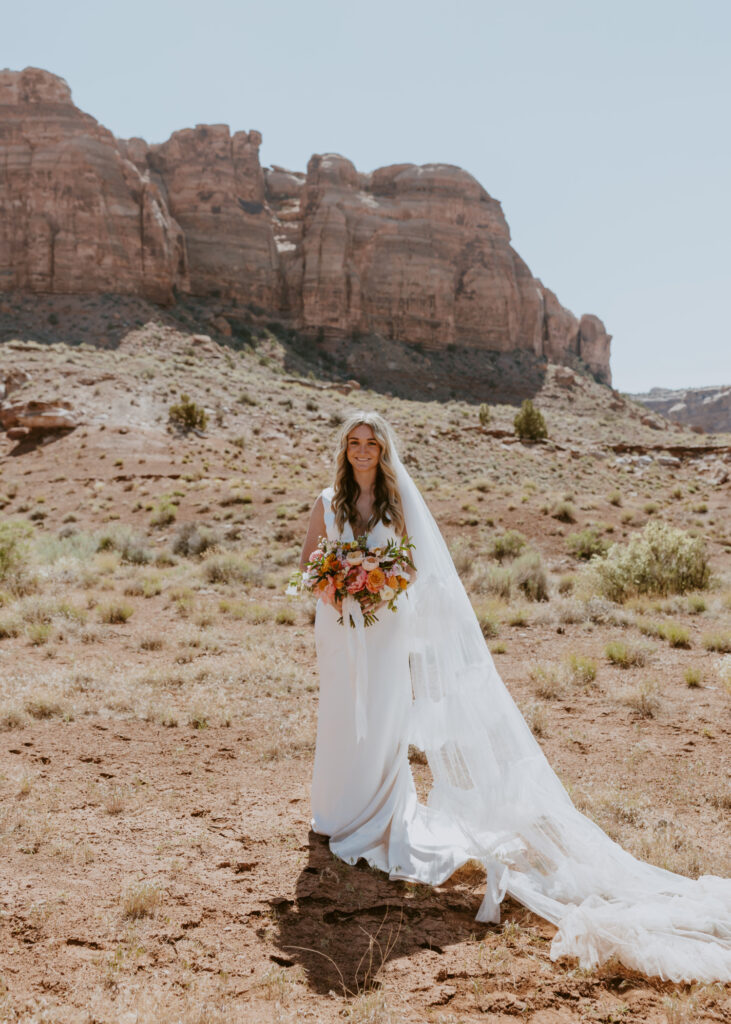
[[320, 586], [393, 581], [403, 582], [375, 579]]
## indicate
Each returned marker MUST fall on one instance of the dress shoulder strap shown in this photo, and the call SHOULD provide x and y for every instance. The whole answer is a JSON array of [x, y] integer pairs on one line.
[[327, 496]]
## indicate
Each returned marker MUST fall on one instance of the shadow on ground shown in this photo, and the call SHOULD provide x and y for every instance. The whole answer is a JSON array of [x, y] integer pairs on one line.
[[345, 922]]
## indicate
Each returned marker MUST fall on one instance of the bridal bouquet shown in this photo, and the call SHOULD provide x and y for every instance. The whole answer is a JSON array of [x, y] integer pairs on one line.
[[372, 576]]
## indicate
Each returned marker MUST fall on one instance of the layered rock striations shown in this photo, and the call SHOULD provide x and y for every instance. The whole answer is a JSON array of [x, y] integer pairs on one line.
[[75, 215], [418, 254], [709, 408]]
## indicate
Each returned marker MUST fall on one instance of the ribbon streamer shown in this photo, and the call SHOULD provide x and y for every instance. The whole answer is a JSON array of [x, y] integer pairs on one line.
[[358, 659]]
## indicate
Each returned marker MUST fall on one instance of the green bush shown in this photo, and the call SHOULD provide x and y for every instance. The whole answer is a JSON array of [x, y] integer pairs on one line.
[[564, 511], [508, 544], [186, 415], [529, 575], [484, 414], [661, 559], [15, 535], [529, 422], [587, 542]]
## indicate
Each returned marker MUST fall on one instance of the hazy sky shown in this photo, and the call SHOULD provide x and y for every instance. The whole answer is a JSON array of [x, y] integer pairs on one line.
[[602, 127]]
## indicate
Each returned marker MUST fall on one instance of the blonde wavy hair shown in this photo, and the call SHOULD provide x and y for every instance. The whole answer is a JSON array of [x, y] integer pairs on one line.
[[386, 497]]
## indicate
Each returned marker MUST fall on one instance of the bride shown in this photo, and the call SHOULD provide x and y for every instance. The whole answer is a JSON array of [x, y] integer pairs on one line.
[[424, 675]]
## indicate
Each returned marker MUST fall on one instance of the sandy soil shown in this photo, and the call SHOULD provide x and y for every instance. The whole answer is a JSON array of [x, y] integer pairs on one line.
[[157, 862]]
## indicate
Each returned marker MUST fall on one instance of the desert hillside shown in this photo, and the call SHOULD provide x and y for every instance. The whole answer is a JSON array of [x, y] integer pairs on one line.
[[158, 689], [705, 408]]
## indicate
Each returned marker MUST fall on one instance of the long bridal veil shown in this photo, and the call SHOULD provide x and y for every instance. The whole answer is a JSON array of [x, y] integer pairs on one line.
[[492, 778]]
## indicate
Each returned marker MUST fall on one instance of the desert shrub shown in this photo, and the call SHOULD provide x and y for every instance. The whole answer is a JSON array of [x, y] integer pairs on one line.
[[129, 545], [508, 544], [644, 699], [625, 655], [566, 583], [286, 616], [142, 900], [720, 642], [724, 672], [115, 612], [661, 559], [15, 535], [586, 543], [529, 575], [164, 513], [564, 511], [692, 676], [675, 634], [582, 669], [192, 539], [548, 680], [228, 569], [186, 415], [484, 414], [492, 579], [529, 422]]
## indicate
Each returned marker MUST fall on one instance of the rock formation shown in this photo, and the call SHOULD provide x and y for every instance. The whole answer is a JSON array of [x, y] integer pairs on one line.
[[709, 408], [418, 254], [75, 215]]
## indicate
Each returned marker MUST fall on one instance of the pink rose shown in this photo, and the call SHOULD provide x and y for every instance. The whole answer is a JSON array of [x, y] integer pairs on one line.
[[356, 580], [316, 554]]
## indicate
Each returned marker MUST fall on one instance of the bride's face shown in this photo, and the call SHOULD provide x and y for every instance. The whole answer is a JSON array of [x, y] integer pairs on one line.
[[363, 450]]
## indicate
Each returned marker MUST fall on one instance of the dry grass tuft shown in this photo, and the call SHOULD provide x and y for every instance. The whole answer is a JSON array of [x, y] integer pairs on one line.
[[643, 699], [142, 900]]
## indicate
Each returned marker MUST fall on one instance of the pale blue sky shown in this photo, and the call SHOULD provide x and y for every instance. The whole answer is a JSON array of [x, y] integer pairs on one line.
[[602, 127]]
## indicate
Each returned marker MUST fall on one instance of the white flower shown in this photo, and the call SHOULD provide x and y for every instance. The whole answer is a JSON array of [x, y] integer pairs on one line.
[[386, 593], [371, 563], [354, 557]]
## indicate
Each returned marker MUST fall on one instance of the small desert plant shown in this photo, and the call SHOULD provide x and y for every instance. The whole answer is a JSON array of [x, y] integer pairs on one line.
[[564, 511], [115, 612], [547, 679], [285, 616], [582, 669], [720, 642], [643, 699], [508, 544], [661, 559], [587, 542], [164, 513], [15, 537], [529, 575], [692, 676], [192, 539], [675, 634], [141, 900], [625, 655], [228, 569], [615, 498], [529, 423], [484, 414], [186, 415]]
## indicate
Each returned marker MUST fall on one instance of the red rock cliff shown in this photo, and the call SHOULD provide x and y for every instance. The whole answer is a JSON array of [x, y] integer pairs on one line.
[[421, 254]]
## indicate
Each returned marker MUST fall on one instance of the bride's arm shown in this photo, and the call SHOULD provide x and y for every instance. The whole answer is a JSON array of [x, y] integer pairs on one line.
[[315, 530]]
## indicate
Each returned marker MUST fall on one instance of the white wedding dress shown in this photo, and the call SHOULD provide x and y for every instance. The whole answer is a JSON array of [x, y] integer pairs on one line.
[[427, 677], [363, 794]]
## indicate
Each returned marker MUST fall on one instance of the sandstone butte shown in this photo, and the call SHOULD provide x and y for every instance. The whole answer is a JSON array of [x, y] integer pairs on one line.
[[419, 254]]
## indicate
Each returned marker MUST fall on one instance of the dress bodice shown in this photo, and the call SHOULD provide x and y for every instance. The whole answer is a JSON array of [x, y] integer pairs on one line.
[[379, 535]]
